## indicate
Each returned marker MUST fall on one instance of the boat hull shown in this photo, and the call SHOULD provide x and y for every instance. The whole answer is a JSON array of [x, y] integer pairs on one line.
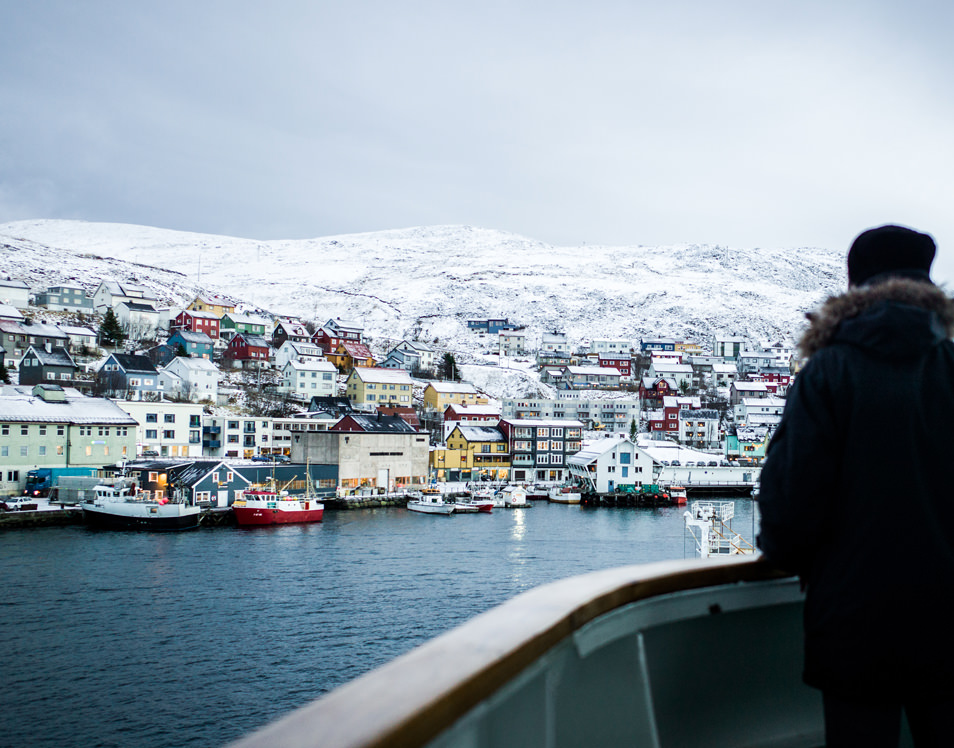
[[250, 516], [119, 516], [428, 508]]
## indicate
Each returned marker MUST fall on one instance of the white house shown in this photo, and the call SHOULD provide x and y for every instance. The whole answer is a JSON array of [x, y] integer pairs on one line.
[[426, 354], [610, 345], [307, 377], [165, 428], [608, 463], [136, 318], [554, 342], [15, 293], [680, 373], [198, 378], [110, 293], [292, 350], [513, 342]]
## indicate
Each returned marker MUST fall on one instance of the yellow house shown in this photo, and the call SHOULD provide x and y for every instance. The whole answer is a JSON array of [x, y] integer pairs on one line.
[[472, 453], [379, 387], [438, 395], [215, 304]]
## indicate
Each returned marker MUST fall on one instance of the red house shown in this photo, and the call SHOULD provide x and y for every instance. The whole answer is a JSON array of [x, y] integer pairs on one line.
[[622, 362], [193, 321], [654, 389], [247, 351]]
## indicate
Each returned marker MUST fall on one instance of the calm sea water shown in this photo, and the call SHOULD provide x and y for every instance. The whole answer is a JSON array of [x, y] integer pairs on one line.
[[196, 638]]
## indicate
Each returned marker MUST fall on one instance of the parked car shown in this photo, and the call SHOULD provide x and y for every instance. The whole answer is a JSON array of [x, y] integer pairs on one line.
[[713, 463], [281, 458], [676, 463], [150, 453], [14, 503]]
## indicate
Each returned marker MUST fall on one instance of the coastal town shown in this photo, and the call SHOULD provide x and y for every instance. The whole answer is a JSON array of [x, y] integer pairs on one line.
[[206, 400]]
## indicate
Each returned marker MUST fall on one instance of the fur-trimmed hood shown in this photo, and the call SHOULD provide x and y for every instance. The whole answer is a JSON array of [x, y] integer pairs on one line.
[[826, 322]]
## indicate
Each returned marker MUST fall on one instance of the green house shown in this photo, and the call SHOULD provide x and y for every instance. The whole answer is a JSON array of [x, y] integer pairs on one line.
[[232, 323]]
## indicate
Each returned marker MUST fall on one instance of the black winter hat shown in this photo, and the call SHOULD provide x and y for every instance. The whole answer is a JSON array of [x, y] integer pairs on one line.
[[890, 251]]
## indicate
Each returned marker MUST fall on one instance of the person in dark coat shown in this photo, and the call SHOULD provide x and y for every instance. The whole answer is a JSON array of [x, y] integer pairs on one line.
[[856, 496]]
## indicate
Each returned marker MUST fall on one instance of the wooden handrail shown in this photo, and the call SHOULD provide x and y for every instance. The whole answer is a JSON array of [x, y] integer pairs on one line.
[[442, 680]]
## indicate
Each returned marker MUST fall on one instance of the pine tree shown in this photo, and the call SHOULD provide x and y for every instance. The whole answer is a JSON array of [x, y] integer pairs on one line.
[[111, 332], [632, 428], [4, 374], [181, 352], [448, 368]]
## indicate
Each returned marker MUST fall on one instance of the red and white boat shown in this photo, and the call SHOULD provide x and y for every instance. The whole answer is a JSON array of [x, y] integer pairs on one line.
[[259, 506]]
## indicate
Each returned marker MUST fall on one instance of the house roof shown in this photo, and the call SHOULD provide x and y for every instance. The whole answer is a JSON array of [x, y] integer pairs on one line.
[[313, 364], [450, 388], [377, 423], [595, 449], [199, 314], [74, 330], [602, 371], [193, 363], [58, 356], [18, 404], [356, 350], [131, 362], [480, 433], [10, 312], [14, 284], [540, 423], [255, 341], [192, 337], [136, 306], [382, 376]]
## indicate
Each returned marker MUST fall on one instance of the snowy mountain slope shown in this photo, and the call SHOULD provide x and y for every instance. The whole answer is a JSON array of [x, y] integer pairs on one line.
[[428, 281]]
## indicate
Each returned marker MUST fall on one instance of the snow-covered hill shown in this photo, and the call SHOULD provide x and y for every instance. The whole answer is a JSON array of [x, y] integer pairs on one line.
[[428, 281]]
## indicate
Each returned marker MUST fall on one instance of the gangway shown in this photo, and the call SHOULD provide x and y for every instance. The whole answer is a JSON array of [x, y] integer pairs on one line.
[[710, 524]]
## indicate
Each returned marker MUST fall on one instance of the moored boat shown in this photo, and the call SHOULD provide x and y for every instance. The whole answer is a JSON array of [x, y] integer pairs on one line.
[[263, 506], [116, 505], [430, 501], [565, 495], [470, 505]]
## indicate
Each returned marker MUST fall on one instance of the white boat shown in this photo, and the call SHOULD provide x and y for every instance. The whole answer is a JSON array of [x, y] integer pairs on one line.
[[430, 501], [472, 504], [626, 656], [116, 505], [565, 495]]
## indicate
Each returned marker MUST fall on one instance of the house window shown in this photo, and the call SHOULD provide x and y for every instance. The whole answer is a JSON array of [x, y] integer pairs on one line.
[[24, 431], [24, 451], [13, 476], [152, 417], [151, 433], [169, 434], [169, 418], [60, 430]]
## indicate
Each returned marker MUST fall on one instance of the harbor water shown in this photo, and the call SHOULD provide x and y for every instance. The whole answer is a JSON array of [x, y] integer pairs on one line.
[[196, 638]]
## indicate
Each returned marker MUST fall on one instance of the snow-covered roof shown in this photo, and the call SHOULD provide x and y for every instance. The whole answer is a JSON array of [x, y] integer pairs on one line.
[[750, 387], [192, 363], [311, 364], [10, 312], [666, 367], [541, 423], [192, 337], [602, 371], [57, 357], [19, 405], [595, 449], [382, 376], [449, 388], [480, 433]]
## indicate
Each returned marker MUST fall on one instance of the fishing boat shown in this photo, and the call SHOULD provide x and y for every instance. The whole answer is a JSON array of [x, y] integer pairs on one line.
[[565, 495], [430, 501], [267, 506], [677, 495], [115, 504], [472, 504], [629, 656]]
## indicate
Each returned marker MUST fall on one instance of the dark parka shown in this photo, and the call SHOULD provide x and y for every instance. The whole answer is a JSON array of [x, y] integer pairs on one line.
[[857, 492]]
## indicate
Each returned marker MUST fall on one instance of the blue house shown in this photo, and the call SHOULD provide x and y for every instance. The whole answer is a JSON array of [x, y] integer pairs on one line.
[[128, 377], [196, 344], [491, 326]]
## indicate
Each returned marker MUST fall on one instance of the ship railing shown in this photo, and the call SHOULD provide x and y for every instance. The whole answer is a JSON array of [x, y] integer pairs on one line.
[[608, 658]]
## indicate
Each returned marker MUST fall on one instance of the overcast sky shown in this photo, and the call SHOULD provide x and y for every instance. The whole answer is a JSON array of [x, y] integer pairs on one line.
[[613, 122]]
